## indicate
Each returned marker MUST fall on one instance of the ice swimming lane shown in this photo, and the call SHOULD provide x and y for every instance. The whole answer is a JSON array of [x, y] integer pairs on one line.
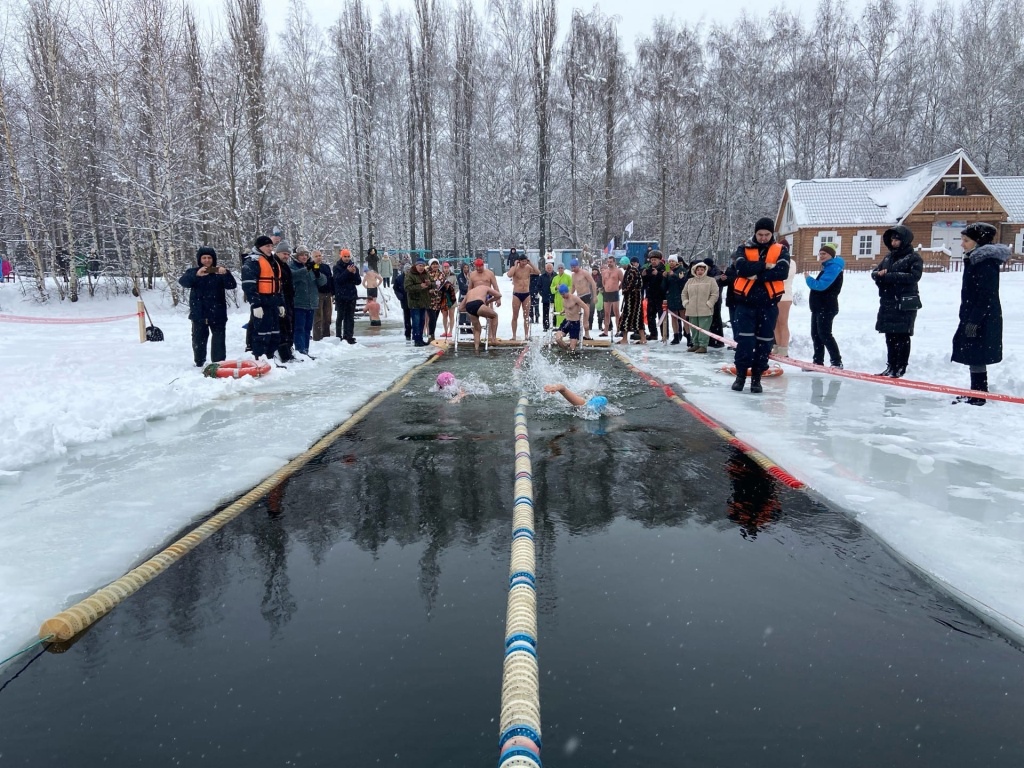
[[386, 603], [520, 685]]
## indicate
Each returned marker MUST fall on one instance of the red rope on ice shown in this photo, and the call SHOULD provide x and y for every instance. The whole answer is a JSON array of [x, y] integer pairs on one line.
[[65, 320], [925, 386]]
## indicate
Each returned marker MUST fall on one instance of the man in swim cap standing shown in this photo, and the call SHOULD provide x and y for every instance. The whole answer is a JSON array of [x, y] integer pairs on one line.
[[573, 309]]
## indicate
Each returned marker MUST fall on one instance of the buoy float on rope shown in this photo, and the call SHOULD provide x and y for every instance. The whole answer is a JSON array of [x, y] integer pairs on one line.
[[233, 369]]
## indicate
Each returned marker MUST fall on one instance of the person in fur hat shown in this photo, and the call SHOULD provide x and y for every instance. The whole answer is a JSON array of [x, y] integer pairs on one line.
[[978, 341]]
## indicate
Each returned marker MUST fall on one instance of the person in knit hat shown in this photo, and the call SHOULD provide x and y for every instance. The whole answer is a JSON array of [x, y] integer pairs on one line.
[[262, 286], [761, 266], [207, 304], [824, 305]]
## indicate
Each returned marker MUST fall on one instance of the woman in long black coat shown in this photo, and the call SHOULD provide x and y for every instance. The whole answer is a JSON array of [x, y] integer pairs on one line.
[[978, 341], [897, 276]]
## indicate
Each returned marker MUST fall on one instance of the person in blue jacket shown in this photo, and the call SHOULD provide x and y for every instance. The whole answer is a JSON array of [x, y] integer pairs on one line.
[[207, 305], [824, 304]]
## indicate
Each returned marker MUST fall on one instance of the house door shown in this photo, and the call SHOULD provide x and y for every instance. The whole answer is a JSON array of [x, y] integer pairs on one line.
[[946, 234]]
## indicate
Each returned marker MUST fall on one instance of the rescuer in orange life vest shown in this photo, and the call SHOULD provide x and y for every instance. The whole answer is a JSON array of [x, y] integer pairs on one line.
[[261, 283], [761, 267]]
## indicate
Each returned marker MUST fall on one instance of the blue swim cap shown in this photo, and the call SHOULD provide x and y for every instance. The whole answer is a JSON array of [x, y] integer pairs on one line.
[[574, 263], [563, 288], [597, 403]]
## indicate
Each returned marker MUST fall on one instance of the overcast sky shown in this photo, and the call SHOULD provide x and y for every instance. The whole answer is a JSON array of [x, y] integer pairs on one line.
[[635, 16]]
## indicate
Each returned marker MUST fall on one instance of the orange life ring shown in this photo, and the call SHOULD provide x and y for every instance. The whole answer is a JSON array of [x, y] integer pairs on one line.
[[775, 370], [232, 369]]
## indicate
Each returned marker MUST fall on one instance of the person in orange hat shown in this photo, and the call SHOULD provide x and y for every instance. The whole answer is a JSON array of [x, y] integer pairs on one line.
[[346, 278]]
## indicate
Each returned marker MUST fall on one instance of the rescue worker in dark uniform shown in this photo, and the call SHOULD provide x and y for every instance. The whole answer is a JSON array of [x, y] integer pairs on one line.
[[261, 284], [761, 268]]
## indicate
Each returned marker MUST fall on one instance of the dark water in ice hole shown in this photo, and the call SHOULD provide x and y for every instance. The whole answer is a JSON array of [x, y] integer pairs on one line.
[[693, 613]]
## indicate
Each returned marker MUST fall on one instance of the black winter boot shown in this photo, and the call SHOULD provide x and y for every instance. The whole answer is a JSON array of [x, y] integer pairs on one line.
[[979, 382], [741, 380], [675, 338], [755, 383]]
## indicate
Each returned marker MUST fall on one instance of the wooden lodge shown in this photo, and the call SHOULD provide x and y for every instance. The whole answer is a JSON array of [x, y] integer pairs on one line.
[[935, 201]]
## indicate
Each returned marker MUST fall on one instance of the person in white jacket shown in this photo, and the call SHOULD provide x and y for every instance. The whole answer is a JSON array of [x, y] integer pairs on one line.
[[700, 294]]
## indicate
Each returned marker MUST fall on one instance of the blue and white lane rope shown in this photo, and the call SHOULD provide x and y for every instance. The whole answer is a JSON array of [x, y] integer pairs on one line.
[[519, 740]]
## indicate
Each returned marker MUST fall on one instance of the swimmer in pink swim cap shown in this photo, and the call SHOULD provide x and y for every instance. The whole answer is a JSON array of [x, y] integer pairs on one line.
[[450, 386]]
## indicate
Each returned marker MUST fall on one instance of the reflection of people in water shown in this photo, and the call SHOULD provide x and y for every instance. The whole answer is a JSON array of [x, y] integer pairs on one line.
[[597, 403], [753, 504], [448, 385]]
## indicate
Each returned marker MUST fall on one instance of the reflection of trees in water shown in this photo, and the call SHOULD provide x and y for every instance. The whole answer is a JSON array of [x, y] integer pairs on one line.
[[270, 539]]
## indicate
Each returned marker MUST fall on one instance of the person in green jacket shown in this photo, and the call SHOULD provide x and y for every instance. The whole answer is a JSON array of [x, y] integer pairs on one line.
[[562, 278], [305, 283], [417, 292]]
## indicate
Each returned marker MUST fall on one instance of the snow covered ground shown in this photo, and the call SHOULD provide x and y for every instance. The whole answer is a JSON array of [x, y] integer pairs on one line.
[[109, 446]]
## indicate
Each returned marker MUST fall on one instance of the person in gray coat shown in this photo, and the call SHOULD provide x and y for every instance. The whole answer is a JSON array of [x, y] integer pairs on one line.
[[978, 341], [305, 283]]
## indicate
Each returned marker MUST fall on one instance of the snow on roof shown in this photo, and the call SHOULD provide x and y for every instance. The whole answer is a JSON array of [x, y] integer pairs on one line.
[[1009, 190], [828, 202], [897, 199]]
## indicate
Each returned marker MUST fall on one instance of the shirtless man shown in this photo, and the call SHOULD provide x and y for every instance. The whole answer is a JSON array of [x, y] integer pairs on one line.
[[520, 274], [371, 282], [611, 279], [476, 303], [481, 275], [583, 285], [573, 309]]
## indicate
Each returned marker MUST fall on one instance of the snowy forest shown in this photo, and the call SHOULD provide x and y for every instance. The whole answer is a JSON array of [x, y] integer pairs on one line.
[[131, 133]]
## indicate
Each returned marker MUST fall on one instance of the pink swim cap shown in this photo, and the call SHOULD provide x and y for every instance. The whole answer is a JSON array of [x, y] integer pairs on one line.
[[445, 379]]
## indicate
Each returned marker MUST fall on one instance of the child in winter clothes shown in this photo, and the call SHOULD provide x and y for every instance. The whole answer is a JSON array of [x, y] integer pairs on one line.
[[700, 294]]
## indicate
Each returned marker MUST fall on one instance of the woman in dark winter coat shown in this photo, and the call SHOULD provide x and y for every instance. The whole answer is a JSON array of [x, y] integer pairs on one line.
[[897, 276], [207, 305], [675, 279], [978, 341]]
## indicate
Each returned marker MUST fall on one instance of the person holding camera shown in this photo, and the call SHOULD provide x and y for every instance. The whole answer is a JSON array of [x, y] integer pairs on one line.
[[346, 278], [207, 305]]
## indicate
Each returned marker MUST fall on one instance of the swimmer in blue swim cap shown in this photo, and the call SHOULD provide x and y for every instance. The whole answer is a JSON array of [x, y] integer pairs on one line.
[[597, 403]]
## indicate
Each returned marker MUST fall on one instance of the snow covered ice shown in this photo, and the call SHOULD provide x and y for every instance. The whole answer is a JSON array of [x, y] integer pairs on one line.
[[109, 446]]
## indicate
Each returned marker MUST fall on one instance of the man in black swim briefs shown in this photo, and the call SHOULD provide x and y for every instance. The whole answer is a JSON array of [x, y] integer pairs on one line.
[[520, 273], [477, 303]]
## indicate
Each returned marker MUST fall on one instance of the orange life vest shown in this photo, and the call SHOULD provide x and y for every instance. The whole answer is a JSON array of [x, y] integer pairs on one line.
[[776, 288], [269, 280]]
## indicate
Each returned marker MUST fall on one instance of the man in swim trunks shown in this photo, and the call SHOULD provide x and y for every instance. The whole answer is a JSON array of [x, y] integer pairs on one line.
[[573, 309], [583, 285], [476, 303], [597, 403], [611, 280], [520, 273]]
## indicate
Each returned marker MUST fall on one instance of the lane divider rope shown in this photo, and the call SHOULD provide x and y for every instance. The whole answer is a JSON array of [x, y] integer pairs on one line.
[[519, 740], [924, 386], [753, 454], [83, 614]]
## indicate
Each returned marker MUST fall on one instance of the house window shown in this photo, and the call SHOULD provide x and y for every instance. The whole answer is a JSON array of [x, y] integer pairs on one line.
[[866, 244]]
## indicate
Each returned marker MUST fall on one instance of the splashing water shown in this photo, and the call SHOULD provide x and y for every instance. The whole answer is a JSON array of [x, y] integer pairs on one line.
[[472, 385]]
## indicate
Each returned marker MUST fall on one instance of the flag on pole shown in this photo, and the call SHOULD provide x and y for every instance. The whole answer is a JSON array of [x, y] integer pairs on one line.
[[629, 229], [610, 247]]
